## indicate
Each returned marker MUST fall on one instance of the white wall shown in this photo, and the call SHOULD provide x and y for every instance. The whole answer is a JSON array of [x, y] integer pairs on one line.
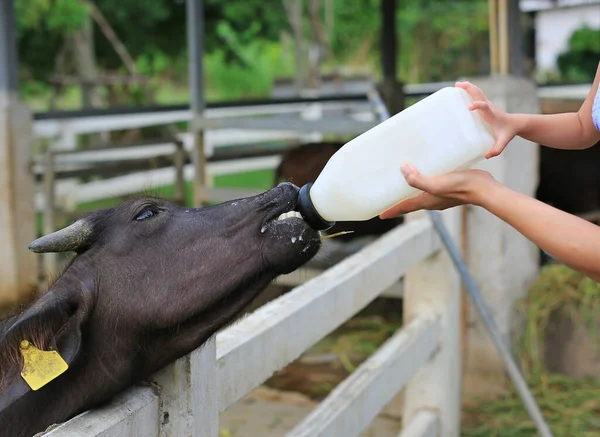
[[554, 28]]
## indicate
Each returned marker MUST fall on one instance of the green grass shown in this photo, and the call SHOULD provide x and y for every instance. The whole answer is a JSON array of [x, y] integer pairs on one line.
[[570, 405], [260, 179]]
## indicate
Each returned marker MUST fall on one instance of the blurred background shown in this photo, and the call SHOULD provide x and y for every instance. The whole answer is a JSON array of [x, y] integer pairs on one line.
[[106, 99]]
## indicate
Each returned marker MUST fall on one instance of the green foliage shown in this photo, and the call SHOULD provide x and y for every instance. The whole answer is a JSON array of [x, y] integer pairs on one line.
[[151, 29], [263, 63], [356, 23], [579, 63], [30, 13], [61, 16], [67, 16], [438, 40]]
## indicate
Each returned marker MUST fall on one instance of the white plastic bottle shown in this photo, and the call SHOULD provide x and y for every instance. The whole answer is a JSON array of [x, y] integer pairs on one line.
[[437, 135]]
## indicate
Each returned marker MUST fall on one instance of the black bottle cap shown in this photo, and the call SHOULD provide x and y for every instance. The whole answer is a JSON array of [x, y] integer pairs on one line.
[[308, 211]]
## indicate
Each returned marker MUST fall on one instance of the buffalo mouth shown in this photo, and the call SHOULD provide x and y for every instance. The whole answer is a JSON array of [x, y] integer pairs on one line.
[[290, 222], [288, 241]]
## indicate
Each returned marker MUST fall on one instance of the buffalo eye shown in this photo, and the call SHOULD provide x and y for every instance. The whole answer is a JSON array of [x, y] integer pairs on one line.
[[146, 213]]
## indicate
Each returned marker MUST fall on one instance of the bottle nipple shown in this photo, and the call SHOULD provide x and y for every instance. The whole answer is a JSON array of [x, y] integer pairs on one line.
[[306, 207]]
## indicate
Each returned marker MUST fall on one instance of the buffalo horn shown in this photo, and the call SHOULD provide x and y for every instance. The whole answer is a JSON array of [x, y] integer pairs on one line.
[[68, 239]]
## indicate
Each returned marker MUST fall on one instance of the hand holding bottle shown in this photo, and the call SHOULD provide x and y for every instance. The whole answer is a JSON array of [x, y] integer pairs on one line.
[[441, 192], [568, 131], [569, 239], [504, 126]]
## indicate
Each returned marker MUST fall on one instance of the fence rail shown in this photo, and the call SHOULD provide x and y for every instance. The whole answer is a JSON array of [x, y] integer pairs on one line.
[[187, 396]]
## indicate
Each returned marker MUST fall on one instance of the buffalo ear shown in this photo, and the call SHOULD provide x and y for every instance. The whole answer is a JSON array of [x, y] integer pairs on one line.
[[55, 321]]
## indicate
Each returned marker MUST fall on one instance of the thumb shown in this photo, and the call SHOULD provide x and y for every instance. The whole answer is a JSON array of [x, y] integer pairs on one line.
[[414, 178], [497, 148]]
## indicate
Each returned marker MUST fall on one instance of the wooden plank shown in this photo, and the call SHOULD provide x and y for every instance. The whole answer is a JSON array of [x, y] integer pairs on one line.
[[433, 285], [204, 390], [188, 394], [353, 404], [331, 125], [50, 259], [134, 183], [284, 328], [49, 128], [109, 165], [300, 276], [424, 424], [134, 413]]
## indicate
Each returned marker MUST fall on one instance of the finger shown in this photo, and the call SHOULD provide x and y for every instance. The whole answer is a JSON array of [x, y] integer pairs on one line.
[[474, 91], [407, 206], [479, 105], [497, 148], [423, 201], [415, 179]]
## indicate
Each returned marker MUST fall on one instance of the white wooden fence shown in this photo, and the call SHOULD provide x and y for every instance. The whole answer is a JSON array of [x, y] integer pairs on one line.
[[423, 357]]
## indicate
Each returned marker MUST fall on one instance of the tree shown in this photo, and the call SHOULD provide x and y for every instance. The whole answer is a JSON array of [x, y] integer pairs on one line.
[[147, 28], [580, 61]]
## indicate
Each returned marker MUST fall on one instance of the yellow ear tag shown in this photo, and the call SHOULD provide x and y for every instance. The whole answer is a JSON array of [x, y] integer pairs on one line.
[[40, 367]]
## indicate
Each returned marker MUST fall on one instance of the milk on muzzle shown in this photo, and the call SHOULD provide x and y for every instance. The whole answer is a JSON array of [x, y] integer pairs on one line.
[[438, 135]]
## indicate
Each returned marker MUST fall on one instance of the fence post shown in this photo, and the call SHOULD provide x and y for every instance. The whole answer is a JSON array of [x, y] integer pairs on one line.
[[501, 260], [18, 266], [434, 286], [195, 35], [179, 159], [189, 398], [66, 141], [50, 259]]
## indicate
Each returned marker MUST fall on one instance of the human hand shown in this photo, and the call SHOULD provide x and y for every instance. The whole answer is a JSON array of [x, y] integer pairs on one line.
[[441, 192], [503, 124]]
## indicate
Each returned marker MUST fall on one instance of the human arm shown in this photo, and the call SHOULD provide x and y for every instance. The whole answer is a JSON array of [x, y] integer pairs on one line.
[[569, 239], [574, 130]]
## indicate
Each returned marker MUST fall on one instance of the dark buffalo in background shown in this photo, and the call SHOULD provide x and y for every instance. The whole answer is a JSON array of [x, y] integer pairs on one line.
[[304, 163], [150, 282], [570, 179]]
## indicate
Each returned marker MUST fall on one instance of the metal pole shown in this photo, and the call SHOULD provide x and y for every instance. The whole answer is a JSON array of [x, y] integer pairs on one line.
[[195, 34], [50, 259], [515, 33], [493, 22], [297, 25], [513, 369], [9, 79], [391, 89], [388, 43], [503, 37]]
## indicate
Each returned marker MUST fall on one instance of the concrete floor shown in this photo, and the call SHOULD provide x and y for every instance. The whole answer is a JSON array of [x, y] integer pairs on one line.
[[265, 412]]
